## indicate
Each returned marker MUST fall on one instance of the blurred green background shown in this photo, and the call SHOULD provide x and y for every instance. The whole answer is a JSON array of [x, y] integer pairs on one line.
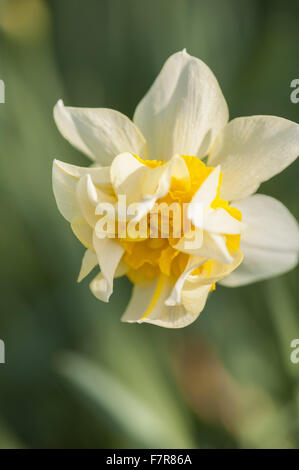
[[75, 375]]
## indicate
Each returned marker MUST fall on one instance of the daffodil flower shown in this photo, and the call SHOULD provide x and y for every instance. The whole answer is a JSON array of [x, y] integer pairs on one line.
[[235, 237]]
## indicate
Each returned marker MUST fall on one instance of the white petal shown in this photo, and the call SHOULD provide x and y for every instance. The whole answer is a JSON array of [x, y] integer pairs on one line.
[[148, 303], [214, 247], [99, 288], [109, 253], [157, 180], [100, 175], [145, 299], [251, 150], [189, 281], [194, 297], [173, 317], [144, 185], [89, 262], [142, 309], [83, 232], [100, 133], [175, 295], [218, 271], [90, 197], [212, 220], [183, 111], [260, 264], [87, 199], [98, 285], [270, 242], [126, 173], [204, 197], [205, 244], [220, 221], [64, 188], [156, 183]]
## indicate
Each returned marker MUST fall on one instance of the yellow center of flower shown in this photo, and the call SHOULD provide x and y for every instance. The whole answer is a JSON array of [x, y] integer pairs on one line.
[[150, 257]]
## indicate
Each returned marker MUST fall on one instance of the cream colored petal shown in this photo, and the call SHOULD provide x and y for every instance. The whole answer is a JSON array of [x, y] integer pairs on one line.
[[64, 188], [100, 133], [214, 247], [156, 183], [148, 303], [171, 317], [157, 313], [100, 175], [143, 185], [157, 180], [204, 197], [162, 304], [220, 221], [260, 264], [183, 111], [251, 150], [88, 199], [145, 298], [126, 175], [187, 280], [89, 262], [175, 295], [270, 242], [219, 270], [205, 244], [212, 220], [109, 253], [98, 285], [194, 297], [84, 233]]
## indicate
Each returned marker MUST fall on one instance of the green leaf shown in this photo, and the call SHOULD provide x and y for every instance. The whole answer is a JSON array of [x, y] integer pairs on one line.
[[128, 412]]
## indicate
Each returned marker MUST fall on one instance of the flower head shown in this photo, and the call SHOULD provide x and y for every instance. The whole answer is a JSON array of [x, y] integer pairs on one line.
[[151, 209]]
